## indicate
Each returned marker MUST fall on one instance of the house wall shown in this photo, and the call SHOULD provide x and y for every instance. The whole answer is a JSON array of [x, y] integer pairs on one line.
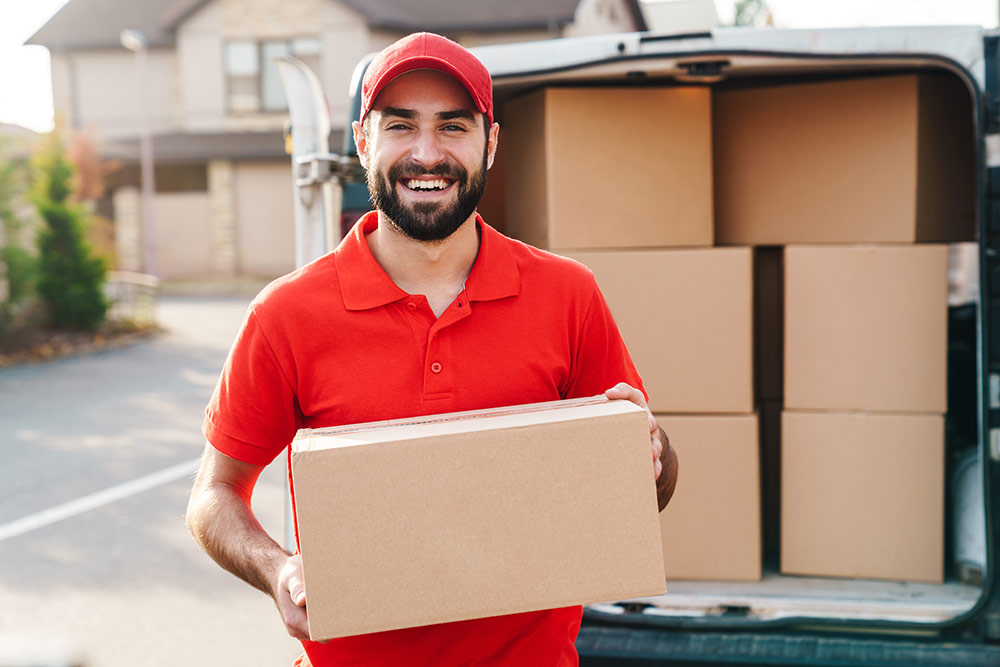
[[264, 20], [62, 95], [128, 233], [182, 248], [100, 90], [202, 91], [269, 19], [181, 222], [222, 217], [265, 225]]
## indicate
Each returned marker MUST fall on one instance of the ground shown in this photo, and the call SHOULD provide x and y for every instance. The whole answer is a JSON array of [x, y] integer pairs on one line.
[[42, 345]]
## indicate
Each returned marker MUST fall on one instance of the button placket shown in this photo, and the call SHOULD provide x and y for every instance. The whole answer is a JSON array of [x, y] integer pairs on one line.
[[437, 378]]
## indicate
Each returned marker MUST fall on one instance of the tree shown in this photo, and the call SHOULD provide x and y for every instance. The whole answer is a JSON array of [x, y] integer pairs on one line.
[[17, 264], [70, 279]]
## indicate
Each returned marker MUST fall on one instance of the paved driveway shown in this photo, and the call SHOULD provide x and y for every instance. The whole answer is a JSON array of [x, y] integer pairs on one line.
[[97, 454]]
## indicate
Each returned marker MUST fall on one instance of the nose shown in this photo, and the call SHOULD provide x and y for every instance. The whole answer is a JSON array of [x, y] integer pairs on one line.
[[427, 149]]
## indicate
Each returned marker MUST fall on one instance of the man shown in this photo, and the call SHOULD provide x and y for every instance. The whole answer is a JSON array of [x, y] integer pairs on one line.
[[423, 309]]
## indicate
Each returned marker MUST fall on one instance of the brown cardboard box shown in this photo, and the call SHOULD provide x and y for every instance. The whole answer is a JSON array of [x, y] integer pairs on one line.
[[866, 328], [609, 167], [879, 160], [687, 319], [493, 205], [711, 528], [863, 495], [475, 514]]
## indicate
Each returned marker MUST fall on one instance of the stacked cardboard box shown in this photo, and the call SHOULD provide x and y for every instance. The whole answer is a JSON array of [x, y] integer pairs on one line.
[[851, 340], [863, 426], [621, 180], [689, 331], [793, 325], [878, 160], [580, 173]]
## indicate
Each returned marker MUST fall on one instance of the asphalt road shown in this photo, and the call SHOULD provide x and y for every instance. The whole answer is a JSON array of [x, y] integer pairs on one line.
[[96, 456]]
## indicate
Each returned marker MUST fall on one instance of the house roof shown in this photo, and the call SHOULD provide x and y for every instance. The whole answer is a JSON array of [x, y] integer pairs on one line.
[[453, 15], [82, 24], [90, 24], [183, 147]]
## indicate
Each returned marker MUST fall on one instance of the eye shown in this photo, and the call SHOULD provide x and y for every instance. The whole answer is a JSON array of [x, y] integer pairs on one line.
[[454, 127]]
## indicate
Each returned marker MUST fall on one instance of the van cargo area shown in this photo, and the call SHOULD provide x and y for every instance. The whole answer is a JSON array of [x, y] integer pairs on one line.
[[875, 151]]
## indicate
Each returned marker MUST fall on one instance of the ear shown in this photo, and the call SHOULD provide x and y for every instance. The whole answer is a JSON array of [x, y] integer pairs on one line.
[[491, 144], [361, 141]]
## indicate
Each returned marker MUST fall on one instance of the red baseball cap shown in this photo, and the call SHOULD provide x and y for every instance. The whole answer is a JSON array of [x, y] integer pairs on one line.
[[425, 50]]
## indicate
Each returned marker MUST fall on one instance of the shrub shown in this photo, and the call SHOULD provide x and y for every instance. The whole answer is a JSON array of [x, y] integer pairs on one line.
[[17, 264], [69, 280]]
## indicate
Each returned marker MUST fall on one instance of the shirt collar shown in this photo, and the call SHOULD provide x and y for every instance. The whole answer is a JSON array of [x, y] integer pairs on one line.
[[364, 284]]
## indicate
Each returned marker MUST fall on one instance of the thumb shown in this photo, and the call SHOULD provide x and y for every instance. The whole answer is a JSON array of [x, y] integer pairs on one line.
[[297, 591]]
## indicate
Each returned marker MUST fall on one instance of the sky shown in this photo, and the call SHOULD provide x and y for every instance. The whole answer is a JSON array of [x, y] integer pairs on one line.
[[26, 94]]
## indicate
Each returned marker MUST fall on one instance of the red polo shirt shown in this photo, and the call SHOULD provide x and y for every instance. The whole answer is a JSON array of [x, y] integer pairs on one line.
[[337, 342]]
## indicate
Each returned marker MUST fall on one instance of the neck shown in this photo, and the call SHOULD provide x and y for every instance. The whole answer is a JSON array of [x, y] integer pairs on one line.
[[435, 269]]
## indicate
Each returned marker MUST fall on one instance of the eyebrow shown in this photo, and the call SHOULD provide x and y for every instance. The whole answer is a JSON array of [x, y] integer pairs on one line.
[[410, 114], [464, 114], [402, 113]]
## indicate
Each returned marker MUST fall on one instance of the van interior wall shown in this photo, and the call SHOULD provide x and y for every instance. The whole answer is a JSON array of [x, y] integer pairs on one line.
[[943, 206]]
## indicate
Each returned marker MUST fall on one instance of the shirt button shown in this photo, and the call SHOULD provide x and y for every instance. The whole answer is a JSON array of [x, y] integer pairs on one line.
[[411, 305], [436, 367]]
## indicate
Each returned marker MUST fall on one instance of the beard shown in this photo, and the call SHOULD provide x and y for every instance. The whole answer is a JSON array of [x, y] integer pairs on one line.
[[429, 221]]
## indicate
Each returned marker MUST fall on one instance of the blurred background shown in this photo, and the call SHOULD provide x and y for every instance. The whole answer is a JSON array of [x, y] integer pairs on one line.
[[126, 137]]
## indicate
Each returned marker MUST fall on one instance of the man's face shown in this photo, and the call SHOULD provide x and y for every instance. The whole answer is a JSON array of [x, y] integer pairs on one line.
[[426, 151]]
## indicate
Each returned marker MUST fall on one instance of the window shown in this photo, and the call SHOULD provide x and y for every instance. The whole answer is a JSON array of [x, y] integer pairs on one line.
[[252, 81]]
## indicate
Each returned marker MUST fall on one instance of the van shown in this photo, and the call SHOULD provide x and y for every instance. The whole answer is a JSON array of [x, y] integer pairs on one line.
[[820, 143]]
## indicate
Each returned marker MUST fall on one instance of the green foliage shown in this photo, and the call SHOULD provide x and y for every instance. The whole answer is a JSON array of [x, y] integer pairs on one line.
[[20, 267], [17, 265], [69, 280]]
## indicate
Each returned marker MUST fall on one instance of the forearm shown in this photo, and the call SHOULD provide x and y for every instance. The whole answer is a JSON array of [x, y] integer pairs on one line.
[[222, 522], [667, 480]]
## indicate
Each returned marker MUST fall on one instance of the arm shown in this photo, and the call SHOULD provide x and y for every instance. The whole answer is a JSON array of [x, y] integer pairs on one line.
[[664, 457], [220, 518]]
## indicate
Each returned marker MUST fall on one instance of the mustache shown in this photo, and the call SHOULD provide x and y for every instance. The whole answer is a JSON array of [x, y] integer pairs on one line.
[[412, 170]]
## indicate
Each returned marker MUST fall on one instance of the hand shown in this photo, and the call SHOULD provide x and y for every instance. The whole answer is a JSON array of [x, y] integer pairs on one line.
[[625, 391], [290, 597]]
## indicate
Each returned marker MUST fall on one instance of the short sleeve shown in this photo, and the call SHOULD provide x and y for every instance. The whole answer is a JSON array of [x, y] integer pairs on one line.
[[601, 359], [253, 413]]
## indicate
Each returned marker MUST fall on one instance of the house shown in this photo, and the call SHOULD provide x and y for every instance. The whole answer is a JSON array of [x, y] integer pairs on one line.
[[213, 102]]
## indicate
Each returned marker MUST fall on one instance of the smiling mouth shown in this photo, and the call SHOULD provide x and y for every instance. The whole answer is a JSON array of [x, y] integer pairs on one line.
[[426, 185]]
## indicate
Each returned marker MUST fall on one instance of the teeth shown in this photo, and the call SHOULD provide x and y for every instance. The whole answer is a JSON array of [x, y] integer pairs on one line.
[[436, 184]]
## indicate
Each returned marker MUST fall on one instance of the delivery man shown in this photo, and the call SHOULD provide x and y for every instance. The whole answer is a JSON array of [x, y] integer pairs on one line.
[[422, 309]]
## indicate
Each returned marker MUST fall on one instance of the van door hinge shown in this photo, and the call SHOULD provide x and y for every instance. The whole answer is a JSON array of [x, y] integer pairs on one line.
[[992, 115], [991, 93]]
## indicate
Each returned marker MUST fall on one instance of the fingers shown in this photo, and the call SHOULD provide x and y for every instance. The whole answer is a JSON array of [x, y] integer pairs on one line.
[[623, 390], [291, 599], [657, 447]]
